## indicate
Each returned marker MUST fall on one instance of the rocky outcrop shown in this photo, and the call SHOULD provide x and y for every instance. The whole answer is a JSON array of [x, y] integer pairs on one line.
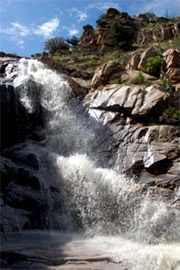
[[14, 117], [88, 37], [148, 30], [144, 147], [102, 75], [172, 59], [65, 69]]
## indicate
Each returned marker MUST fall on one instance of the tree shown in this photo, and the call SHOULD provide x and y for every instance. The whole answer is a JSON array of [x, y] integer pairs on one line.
[[154, 64], [121, 36], [56, 43], [150, 15], [102, 16], [73, 40]]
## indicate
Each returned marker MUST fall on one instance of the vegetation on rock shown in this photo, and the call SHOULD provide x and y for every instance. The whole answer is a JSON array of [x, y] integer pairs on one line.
[[120, 36], [73, 41], [137, 79], [154, 64], [52, 45], [170, 116], [102, 16], [167, 83]]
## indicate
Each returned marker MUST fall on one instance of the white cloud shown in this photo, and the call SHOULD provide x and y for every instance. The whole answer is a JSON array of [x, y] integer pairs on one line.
[[15, 29], [80, 15], [21, 44], [160, 7], [19, 30], [47, 29], [72, 31], [104, 6]]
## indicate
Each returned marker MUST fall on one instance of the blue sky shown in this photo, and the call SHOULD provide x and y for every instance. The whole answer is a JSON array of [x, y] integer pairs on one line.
[[26, 24]]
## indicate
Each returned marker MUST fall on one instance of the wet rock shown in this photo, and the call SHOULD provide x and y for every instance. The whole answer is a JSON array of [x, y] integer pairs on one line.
[[77, 90], [143, 149], [16, 122], [13, 219]]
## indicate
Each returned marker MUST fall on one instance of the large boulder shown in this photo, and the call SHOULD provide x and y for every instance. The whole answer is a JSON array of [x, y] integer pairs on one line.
[[172, 59], [133, 100], [103, 74]]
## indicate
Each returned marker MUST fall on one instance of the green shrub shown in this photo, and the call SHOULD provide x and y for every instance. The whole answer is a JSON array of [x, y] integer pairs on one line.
[[90, 63], [170, 116], [52, 45], [154, 64], [121, 36], [166, 82], [171, 44], [138, 79], [100, 19], [73, 41], [150, 15]]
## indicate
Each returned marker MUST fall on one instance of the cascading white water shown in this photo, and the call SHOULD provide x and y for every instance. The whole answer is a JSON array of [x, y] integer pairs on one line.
[[104, 204]]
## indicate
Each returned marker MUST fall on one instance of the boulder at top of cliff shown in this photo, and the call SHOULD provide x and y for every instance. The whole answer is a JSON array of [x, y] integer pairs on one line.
[[112, 12], [88, 37]]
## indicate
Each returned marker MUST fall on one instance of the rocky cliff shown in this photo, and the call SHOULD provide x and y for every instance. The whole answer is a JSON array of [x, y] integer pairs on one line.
[[147, 29]]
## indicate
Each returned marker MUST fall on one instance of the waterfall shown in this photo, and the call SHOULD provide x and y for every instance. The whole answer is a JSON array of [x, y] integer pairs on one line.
[[98, 202]]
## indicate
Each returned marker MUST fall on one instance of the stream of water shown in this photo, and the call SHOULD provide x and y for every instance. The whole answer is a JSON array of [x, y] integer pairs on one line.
[[112, 212]]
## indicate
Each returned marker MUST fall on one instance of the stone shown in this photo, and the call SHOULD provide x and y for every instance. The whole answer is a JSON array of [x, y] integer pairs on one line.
[[146, 37], [76, 89], [155, 101], [144, 56], [172, 58], [131, 100], [143, 151], [174, 74], [134, 62], [102, 74]]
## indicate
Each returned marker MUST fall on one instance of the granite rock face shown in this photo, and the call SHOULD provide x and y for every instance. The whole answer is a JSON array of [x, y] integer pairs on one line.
[[172, 59], [103, 74], [144, 148], [16, 122]]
